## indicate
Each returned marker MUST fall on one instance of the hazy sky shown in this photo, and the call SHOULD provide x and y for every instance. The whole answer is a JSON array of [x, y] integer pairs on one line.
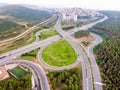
[[93, 4]]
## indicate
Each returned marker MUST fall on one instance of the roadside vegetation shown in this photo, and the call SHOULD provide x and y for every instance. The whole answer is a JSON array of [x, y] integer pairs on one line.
[[111, 26], [84, 37], [104, 36], [31, 56], [81, 33], [82, 20], [59, 54], [13, 83], [67, 27], [66, 79], [47, 33], [108, 52]]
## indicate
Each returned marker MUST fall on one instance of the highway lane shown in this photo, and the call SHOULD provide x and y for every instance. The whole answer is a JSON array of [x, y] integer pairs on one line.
[[96, 71], [38, 69], [38, 34], [18, 52], [23, 47], [87, 26], [86, 70]]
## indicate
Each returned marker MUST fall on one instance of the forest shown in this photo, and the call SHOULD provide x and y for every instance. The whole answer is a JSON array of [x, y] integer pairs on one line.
[[66, 79], [108, 52], [12, 83], [111, 26], [108, 58]]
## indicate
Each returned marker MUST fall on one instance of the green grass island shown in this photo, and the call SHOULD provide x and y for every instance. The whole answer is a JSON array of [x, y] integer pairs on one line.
[[59, 54]]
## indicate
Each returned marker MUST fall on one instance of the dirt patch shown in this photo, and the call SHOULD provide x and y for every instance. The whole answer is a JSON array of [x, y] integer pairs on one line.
[[86, 40]]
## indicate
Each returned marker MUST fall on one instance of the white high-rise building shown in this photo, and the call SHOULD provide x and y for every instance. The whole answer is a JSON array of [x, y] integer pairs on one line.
[[75, 18], [69, 16]]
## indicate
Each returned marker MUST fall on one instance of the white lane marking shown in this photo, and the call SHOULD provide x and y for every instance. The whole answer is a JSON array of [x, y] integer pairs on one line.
[[99, 83], [87, 83]]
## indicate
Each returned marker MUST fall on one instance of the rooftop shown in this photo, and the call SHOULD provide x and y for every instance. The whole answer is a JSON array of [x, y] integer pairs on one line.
[[3, 72]]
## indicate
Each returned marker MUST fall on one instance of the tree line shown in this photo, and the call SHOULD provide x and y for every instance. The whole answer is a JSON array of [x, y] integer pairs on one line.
[[66, 79]]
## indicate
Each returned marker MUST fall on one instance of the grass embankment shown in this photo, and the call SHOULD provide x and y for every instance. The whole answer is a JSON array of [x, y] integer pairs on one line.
[[59, 54], [13, 83], [67, 27], [46, 34], [31, 56], [81, 33], [66, 79]]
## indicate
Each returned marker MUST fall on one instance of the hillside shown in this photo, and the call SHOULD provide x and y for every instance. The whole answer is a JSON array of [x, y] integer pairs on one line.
[[9, 29], [16, 19], [20, 13]]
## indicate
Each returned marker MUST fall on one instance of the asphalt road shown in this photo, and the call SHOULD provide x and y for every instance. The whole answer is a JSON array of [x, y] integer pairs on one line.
[[87, 26], [86, 70], [38, 34], [40, 73], [18, 52], [96, 71]]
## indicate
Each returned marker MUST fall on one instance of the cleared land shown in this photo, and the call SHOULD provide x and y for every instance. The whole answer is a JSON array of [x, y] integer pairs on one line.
[[18, 72], [46, 34], [59, 54], [86, 40], [84, 37]]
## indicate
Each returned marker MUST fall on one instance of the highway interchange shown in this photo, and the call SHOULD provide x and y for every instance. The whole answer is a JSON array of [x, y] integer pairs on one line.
[[86, 68]]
